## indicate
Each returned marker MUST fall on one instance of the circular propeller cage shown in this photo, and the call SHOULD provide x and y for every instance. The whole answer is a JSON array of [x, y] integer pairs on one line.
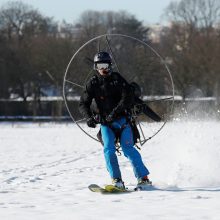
[[137, 62]]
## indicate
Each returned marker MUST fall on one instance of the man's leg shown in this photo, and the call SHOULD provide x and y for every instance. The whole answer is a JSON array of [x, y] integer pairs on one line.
[[111, 159], [132, 153]]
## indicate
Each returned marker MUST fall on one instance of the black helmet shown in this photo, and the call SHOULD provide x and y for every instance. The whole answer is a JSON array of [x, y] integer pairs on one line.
[[102, 57]]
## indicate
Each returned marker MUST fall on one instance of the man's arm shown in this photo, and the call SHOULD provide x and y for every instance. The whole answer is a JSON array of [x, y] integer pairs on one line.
[[85, 101]]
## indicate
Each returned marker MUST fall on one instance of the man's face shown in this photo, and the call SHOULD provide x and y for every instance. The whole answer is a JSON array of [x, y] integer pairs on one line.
[[103, 68]]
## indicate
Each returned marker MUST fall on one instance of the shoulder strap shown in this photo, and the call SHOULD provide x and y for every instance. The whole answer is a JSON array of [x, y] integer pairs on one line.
[[94, 80]]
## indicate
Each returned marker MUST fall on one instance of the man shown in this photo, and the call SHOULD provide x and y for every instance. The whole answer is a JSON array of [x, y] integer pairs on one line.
[[113, 97]]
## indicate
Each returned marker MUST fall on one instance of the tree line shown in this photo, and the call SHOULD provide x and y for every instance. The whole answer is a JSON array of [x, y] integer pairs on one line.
[[35, 49]]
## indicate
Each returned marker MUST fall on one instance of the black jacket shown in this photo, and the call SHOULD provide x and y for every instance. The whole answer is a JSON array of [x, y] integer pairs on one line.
[[111, 93]]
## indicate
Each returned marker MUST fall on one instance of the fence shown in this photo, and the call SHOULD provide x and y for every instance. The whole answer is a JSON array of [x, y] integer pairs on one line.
[[54, 109]]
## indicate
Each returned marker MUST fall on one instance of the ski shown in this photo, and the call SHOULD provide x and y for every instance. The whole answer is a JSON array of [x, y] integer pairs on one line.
[[112, 189], [96, 188], [107, 189]]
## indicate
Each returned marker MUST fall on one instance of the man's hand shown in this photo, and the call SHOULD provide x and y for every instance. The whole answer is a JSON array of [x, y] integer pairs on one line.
[[91, 122]]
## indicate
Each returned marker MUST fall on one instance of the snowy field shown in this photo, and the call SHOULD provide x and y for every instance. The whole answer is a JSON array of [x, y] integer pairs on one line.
[[45, 170]]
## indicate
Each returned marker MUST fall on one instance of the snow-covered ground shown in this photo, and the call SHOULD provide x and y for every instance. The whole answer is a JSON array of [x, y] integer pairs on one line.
[[45, 170]]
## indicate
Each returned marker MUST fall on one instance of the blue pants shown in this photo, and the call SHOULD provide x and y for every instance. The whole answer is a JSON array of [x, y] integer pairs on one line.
[[127, 145]]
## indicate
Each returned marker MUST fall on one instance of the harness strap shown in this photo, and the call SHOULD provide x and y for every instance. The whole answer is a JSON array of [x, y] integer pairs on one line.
[[118, 132], [117, 147]]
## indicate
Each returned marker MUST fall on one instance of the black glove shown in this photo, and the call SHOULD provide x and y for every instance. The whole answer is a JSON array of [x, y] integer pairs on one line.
[[91, 122]]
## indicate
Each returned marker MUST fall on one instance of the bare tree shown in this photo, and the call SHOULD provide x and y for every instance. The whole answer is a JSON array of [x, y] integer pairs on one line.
[[195, 13], [192, 43], [94, 23], [18, 19], [20, 26]]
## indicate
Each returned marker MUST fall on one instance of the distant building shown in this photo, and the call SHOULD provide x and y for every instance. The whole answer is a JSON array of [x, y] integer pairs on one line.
[[156, 31]]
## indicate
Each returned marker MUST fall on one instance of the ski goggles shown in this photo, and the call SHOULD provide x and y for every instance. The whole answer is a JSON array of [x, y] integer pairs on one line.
[[100, 66]]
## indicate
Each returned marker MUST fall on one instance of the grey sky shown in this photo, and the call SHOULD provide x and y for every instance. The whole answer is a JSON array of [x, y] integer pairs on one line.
[[148, 11]]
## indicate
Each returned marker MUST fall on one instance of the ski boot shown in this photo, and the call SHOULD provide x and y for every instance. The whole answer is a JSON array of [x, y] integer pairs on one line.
[[117, 182], [143, 183]]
